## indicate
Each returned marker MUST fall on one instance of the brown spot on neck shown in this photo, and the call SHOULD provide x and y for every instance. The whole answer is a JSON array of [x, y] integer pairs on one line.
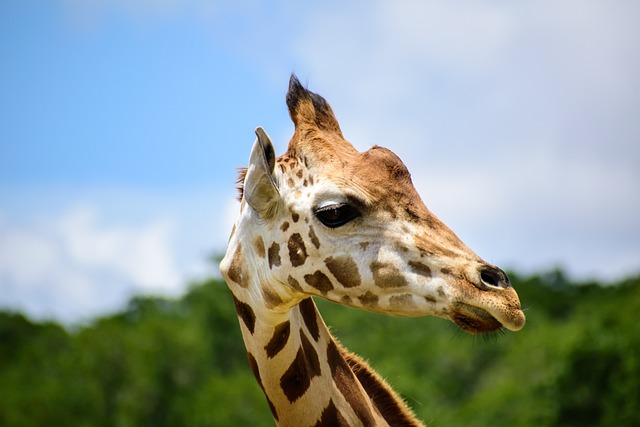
[[297, 378], [256, 373], [278, 340], [308, 311], [331, 417], [245, 312]]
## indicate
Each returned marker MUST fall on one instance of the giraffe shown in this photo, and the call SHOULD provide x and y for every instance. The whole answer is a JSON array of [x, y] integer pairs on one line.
[[326, 220]]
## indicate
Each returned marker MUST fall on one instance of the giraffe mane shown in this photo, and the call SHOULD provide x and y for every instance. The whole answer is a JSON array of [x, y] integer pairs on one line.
[[393, 409], [242, 173]]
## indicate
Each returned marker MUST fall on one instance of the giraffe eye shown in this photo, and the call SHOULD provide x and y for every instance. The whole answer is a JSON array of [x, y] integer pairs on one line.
[[336, 215]]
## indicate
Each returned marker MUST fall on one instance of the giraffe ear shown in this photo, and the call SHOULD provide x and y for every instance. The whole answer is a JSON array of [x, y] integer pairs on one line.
[[260, 190]]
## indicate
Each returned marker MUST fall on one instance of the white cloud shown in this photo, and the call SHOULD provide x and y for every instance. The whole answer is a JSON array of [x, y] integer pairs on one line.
[[72, 266], [142, 255], [93, 250]]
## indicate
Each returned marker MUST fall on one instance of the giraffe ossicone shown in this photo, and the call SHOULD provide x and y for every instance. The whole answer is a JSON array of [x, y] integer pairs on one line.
[[326, 220]]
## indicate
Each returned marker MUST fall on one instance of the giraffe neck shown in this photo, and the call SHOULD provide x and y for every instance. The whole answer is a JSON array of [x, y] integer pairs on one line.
[[308, 378]]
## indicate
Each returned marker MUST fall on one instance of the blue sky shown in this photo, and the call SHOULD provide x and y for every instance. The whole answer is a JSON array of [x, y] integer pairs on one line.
[[122, 124]]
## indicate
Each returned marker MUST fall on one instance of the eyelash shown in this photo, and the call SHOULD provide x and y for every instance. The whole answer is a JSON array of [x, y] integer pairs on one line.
[[336, 215]]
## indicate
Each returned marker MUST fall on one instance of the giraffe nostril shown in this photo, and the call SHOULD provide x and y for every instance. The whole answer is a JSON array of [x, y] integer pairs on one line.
[[494, 277]]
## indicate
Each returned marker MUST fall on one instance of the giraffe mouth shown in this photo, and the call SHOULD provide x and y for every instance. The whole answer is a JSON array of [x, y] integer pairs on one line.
[[474, 319]]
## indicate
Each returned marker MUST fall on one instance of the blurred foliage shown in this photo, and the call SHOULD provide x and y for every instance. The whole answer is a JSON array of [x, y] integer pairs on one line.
[[163, 362]]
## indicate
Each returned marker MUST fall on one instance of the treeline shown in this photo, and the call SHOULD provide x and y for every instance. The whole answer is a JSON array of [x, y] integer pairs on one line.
[[163, 362]]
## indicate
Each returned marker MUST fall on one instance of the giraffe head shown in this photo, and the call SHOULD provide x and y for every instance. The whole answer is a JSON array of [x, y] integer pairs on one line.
[[325, 219]]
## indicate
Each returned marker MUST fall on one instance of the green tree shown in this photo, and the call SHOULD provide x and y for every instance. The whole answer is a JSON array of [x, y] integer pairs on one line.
[[181, 362]]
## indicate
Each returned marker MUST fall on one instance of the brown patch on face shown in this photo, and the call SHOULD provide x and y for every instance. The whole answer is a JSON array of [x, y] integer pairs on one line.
[[440, 291], [295, 217], [387, 275], [314, 238], [271, 298], [258, 246], [238, 272], [291, 183], [297, 250], [347, 383], [404, 300], [294, 284], [296, 380], [420, 268], [430, 299], [345, 270], [274, 255], [297, 195], [285, 226], [278, 340], [369, 299], [245, 312], [331, 417], [319, 280], [308, 311], [310, 180], [345, 300], [299, 173], [364, 245]]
